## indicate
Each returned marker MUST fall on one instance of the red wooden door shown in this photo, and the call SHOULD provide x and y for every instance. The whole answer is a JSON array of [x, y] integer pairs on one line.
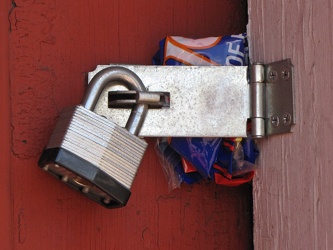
[[51, 46]]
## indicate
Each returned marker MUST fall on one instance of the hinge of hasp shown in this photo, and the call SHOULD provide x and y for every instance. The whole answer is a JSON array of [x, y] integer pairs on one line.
[[272, 98]]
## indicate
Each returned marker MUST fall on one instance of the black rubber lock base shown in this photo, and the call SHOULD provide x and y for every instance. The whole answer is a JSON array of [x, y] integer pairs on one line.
[[89, 172]]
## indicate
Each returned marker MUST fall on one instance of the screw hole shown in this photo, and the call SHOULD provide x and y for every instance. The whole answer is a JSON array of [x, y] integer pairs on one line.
[[287, 118], [275, 121], [285, 74], [272, 75]]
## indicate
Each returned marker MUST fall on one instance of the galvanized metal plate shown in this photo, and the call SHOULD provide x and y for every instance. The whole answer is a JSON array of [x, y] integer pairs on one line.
[[205, 101], [280, 105]]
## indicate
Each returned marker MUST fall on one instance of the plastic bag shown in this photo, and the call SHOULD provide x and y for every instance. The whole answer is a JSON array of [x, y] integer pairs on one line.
[[206, 155]]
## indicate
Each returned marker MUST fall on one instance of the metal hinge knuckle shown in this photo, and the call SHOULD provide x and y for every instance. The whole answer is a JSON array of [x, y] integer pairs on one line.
[[257, 94], [272, 98]]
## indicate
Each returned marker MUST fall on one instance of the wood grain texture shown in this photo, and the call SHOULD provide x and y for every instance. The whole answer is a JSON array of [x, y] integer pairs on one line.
[[293, 189], [5, 131], [53, 44]]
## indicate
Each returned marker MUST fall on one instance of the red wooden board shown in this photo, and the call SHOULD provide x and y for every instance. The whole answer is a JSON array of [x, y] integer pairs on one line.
[[52, 46], [5, 133]]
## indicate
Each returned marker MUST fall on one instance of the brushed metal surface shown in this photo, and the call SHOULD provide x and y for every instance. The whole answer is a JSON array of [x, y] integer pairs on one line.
[[205, 101]]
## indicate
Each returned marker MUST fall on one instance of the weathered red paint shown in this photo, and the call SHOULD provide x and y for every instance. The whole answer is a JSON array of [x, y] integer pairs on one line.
[[5, 133], [53, 44]]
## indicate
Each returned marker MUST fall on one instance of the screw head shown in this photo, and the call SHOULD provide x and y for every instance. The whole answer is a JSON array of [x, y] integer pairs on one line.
[[285, 74], [275, 121], [287, 118], [272, 75]]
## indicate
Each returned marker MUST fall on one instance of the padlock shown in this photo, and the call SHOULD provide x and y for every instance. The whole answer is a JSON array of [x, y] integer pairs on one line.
[[93, 154]]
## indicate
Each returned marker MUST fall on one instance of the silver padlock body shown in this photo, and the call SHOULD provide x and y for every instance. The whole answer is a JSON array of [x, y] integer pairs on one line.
[[107, 148]]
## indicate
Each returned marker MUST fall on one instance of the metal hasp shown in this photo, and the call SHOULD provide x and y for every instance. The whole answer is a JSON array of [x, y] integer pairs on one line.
[[272, 98], [205, 101], [209, 101]]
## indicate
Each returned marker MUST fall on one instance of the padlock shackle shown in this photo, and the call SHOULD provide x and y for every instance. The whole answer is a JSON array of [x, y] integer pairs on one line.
[[118, 76]]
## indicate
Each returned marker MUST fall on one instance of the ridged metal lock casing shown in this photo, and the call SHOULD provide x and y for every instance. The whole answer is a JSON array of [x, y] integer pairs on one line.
[[112, 148], [104, 156]]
